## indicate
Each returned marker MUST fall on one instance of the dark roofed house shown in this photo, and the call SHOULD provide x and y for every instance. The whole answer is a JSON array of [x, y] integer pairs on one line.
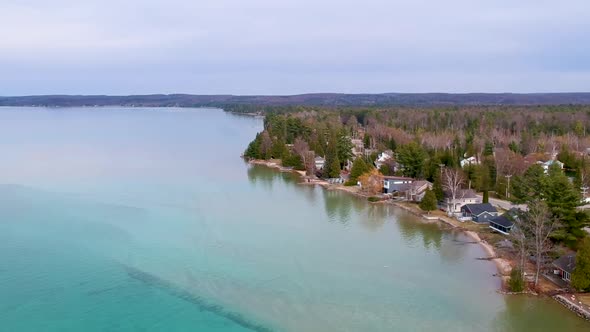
[[479, 213], [565, 266], [501, 224]]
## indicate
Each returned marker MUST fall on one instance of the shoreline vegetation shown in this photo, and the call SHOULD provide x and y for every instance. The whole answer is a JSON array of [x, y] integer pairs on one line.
[[503, 265], [515, 179]]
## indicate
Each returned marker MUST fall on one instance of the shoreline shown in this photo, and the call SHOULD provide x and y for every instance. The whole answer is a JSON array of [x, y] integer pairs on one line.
[[503, 266]]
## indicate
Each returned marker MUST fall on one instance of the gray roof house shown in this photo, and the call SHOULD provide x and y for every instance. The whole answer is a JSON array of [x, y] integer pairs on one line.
[[479, 213], [392, 184], [565, 266], [501, 224]]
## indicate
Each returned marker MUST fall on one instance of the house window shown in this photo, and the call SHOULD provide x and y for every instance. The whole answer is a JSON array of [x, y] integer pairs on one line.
[[566, 276]]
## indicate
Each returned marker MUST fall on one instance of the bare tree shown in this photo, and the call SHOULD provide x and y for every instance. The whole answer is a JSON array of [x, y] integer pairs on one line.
[[452, 181], [521, 242], [539, 224]]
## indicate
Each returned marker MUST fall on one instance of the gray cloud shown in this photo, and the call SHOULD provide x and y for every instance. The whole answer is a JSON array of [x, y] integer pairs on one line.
[[283, 47]]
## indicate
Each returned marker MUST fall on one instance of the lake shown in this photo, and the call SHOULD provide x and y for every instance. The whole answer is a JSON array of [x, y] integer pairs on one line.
[[138, 219]]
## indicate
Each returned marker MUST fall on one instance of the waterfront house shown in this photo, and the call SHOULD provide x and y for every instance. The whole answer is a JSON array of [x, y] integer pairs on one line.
[[383, 157], [396, 184], [417, 189], [479, 213], [469, 161], [501, 224], [319, 163], [464, 196], [564, 266]]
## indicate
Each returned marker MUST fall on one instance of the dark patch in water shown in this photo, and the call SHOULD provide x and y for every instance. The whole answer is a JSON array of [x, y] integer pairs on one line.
[[203, 305]]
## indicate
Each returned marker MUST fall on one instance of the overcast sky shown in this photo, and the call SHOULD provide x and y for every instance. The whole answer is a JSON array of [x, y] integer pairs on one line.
[[289, 47]]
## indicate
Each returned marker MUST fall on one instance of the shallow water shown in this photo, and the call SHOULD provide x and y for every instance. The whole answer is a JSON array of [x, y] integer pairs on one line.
[[125, 219]]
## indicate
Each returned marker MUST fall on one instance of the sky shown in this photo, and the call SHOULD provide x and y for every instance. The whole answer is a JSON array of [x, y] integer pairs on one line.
[[293, 46]]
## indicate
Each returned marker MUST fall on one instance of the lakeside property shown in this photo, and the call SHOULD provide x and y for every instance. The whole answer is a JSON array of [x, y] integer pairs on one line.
[[527, 222]]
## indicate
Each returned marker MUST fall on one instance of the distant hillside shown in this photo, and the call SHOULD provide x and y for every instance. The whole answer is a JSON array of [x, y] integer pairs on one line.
[[316, 99]]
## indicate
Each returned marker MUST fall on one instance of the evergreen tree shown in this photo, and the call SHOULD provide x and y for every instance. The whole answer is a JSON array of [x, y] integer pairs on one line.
[[359, 167], [581, 274], [563, 199], [253, 150], [516, 282], [332, 164], [412, 157], [530, 186], [437, 188], [428, 202], [344, 147], [278, 149], [486, 197]]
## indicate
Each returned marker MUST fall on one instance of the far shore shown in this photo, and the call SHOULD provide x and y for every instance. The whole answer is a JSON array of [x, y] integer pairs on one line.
[[503, 265]]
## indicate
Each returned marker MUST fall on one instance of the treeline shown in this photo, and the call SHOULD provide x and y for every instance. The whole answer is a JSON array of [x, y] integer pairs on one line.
[[505, 143]]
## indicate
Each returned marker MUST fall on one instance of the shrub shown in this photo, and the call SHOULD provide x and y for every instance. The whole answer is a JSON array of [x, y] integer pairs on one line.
[[516, 282]]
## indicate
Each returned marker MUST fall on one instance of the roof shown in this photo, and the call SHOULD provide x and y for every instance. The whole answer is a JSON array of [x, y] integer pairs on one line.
[[478, 209], [463, 193], [397, 178], [566, 262], [502, 221], [319, 159]]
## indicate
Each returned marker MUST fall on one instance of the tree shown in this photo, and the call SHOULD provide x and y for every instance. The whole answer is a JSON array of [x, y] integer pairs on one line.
[[412, 158], [332, 164], [540, 225], [428, 202], [530, 186], [581, 274], [516, 282], [563, 200], [486, 196], [437, 188], [253, 150], [453, 180], [359, 167], [344, 147], [371, 182], [278, 149]]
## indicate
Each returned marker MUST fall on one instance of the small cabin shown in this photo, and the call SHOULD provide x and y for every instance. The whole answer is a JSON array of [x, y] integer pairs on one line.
[[564, 266], [501, 224]]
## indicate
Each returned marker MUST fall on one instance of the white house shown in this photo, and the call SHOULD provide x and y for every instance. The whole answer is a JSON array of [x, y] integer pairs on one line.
[[383, 157], [548, 164], [463, 197], [319, 163], [469, 161]]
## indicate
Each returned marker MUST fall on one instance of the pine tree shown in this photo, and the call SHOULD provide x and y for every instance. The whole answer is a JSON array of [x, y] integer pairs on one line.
[[437, 188], [332, 165], [359, 167], [428, 202], [253, 150], [581, 274], [486, 196]]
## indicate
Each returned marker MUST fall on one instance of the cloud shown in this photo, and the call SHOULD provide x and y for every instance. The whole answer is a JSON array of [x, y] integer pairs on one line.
[[262, 46]]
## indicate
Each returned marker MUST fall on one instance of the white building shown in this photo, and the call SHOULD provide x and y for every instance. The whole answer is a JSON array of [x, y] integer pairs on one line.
[[319, 163], [383, 157], [469, 161]]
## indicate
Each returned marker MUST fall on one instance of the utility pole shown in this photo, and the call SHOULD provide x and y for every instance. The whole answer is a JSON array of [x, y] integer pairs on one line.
[[508, 185]]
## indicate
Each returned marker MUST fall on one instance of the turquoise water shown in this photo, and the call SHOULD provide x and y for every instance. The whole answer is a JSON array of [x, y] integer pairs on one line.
[[115, 219]]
